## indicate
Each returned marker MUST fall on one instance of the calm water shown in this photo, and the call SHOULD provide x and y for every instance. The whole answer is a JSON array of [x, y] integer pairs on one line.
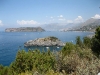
[[10, 43]]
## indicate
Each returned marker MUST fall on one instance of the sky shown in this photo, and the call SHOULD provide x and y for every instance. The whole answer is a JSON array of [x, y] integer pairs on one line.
[[25, 13]]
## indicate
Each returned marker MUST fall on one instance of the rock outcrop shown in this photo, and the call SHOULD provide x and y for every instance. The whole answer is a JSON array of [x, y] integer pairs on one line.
[[25, 29], [48, 41]]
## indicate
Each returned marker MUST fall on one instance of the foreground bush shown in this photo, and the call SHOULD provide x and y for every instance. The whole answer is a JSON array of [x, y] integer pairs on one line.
[[78, 62], [96, 42], [87, 42], [79, 41], [33, 61], [81, 63]]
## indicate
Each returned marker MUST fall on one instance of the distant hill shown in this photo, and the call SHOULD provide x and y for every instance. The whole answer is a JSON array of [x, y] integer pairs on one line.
[[89, 25], [25, 29], [58, 26]]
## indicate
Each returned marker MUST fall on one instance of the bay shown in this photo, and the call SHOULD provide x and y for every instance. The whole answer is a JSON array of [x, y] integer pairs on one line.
[[11, 42]]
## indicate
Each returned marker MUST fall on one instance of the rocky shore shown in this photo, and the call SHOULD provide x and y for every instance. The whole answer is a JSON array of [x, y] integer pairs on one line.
[[48, 41]]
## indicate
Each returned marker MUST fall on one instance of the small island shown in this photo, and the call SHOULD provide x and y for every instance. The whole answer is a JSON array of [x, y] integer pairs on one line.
[[25, 29], [48, 41]]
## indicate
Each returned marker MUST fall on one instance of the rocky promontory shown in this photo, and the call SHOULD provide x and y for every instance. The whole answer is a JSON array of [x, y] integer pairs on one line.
[[48, 41], [25, 29]]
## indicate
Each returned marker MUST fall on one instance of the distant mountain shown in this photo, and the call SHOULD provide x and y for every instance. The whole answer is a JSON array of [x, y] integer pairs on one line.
[[25, 29], [52, 26], [91, 22], [58, 26], [89, 25]]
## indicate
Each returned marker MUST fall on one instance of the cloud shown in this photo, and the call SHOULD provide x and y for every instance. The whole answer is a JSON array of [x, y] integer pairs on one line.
[[51, 17], [69, 21], [79, 19], [62, 19], [1, 24], [60, 16], [97, 16], [30, 22]]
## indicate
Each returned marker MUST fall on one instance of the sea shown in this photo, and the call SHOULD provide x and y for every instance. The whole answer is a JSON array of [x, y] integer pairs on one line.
[[11, 42]]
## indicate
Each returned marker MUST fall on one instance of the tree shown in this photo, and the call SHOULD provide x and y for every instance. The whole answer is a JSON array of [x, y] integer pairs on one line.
[[79, 41], [96, 42], [97, 34], [67, 49], [87, 42]]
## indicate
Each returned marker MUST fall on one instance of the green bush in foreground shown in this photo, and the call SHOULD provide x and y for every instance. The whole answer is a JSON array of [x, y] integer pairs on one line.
[[79, 41], [33, 60], [96, 42], [87, 42], [79, 61], [68, 48]]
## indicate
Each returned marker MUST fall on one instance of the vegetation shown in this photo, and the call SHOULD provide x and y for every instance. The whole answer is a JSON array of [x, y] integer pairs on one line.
[[87, 42], [96, 42], [68, 48], [79, 41], [52, 38], [81, 58]]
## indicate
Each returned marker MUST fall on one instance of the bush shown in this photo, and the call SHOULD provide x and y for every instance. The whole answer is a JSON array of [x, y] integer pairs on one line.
[[68, 48], [33, 61], [4, 70], [87, 42], [79, 41], [96, 42]]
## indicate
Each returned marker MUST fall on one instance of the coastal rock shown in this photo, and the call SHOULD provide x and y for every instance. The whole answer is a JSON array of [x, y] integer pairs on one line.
[[25, 29], [48, 41]]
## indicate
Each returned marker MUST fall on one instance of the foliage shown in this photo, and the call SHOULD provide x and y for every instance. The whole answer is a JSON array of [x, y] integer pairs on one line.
[[68, 48], [52, 38], [96, 42], [4, 70], [78, 60], [33, 60], [87, 42], [97, 33], [79, 41]]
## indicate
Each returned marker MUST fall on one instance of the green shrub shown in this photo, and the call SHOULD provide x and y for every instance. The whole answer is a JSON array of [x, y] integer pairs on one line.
[[4, 70], [79, 41], [33, 60], [96, 42], [68, 48], [87, 42]]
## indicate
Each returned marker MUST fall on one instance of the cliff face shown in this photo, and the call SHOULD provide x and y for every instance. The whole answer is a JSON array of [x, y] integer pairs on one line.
[[25, 29], [48, 41]]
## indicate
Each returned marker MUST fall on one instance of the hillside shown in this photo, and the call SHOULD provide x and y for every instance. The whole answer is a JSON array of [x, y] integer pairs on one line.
[[59, 26], [89, 25], [25, 29]]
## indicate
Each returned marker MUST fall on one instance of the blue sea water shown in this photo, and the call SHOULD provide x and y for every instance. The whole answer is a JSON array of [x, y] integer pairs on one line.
[[11, 42]]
